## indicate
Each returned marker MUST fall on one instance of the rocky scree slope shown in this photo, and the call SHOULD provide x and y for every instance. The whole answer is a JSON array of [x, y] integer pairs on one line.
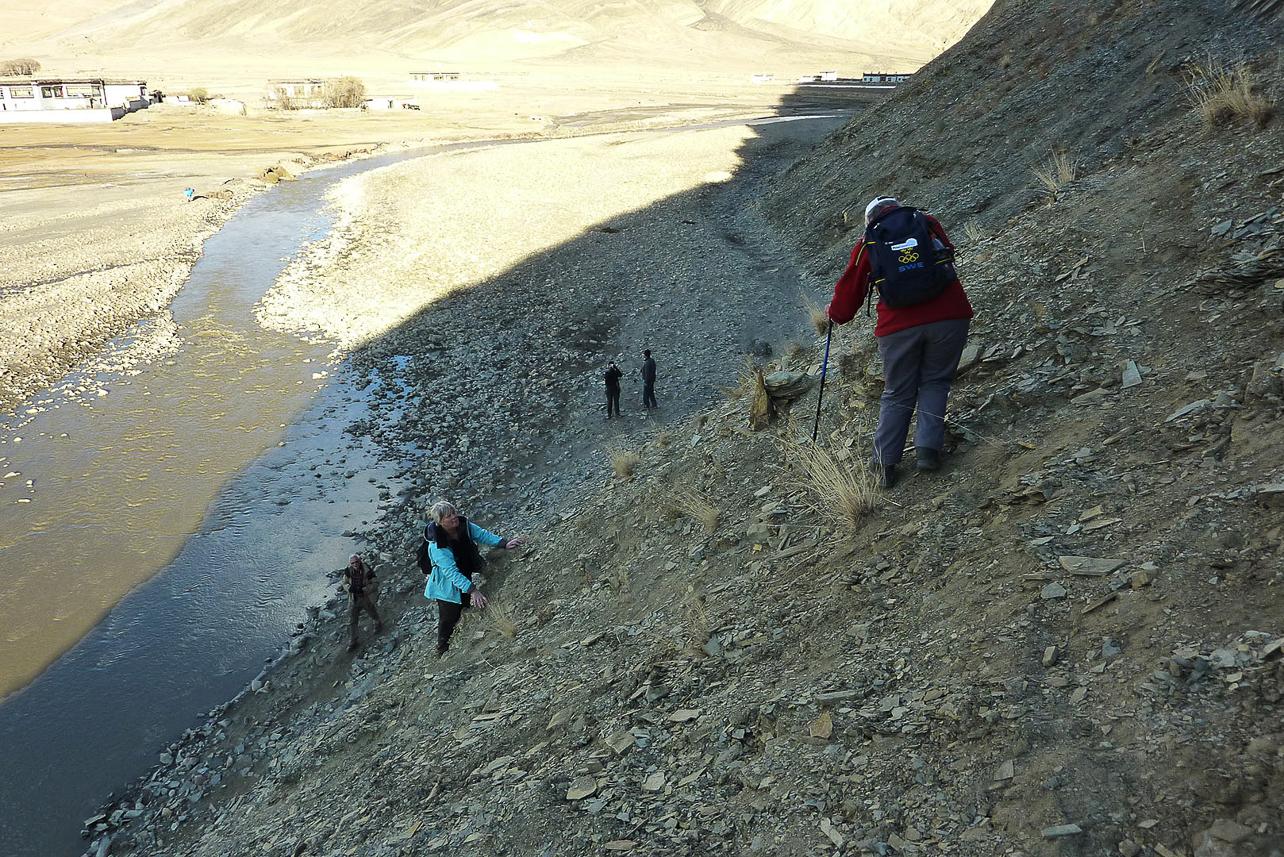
[[1067, 642], [1038, 648], [1030, 79]]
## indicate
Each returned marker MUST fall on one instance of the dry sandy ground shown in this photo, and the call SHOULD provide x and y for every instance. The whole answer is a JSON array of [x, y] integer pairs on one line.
[[96, 232], [414, 232]]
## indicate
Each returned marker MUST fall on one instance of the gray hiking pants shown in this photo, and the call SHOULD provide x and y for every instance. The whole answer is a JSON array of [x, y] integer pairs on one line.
[[919, 365], [355, 607]]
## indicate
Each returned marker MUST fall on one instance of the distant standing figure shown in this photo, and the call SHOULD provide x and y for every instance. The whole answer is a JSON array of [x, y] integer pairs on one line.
[[452, 548], [923, 319], [648, 380], [361, 585], [612, 378]]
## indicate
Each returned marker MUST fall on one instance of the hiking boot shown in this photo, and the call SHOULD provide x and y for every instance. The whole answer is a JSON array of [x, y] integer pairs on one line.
[[887, 476], [352, 647], [441, 651], [928, 459]]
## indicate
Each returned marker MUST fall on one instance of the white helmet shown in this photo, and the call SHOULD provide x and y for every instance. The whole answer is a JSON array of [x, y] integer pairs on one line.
[[878, 204]]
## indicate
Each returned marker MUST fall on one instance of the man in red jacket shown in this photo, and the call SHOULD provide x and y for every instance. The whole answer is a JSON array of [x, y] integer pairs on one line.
[[920, 341]]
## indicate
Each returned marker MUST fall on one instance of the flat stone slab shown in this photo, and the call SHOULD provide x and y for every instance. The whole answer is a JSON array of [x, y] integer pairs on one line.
[[1087, 566]]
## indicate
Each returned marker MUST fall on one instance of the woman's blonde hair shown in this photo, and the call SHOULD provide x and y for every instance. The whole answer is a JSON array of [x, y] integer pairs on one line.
[[443, 509]]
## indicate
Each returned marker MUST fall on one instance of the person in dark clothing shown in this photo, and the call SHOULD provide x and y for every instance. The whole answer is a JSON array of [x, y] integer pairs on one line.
[[920, 343], [452, 548], [361, 585], [648, 380], [612, 378]]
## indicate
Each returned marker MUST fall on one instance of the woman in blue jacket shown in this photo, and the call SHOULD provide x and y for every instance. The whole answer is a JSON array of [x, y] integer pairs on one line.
[[452, 547]]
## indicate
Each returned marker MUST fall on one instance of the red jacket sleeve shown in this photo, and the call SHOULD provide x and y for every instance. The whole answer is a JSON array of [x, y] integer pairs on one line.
[[849, 291]]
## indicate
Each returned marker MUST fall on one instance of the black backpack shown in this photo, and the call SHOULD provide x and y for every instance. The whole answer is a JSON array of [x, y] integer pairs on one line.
[[423, 559], [908, 264]]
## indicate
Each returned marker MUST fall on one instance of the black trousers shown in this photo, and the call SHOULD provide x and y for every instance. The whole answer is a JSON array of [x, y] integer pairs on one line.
[[612, 401], [448, 613], [648, 395]]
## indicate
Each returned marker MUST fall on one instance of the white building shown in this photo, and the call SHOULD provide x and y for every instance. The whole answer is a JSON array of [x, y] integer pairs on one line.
[[452, 80], [884, 79], [32, 99], [299, 92]]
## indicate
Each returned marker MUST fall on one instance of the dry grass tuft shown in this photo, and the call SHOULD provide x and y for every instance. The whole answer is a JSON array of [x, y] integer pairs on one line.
[[1058, 172], [746, 381], [697, 624], [623, 461], [618, 580], [974, 231], [839, 491], [698, 508], [1224, 94], [499, 617], [663, 439], [816, 316], [797, 352]]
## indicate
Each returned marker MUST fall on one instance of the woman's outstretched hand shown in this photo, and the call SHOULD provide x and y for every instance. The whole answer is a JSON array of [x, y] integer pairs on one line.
[[479, 600], [512, 543]]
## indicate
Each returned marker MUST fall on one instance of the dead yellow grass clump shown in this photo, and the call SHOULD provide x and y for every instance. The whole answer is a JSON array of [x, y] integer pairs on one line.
[[840, 492], [816, 315], [499, 617], [696, 622], [1223, 94], [697, 507], [623, 461], [1058, 172], [746, 381]]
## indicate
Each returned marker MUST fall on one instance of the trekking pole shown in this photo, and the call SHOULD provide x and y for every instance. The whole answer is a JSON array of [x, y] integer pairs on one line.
[[829, 333]]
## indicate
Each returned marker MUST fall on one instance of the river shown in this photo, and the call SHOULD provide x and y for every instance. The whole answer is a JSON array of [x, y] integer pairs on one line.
[[223, 465]]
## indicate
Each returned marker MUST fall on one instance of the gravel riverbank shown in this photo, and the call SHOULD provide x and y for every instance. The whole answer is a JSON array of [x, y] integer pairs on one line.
[[78, 271], [484, 291], [481, 307]]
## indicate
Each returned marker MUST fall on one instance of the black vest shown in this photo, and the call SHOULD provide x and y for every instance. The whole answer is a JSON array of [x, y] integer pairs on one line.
[[467, 558]]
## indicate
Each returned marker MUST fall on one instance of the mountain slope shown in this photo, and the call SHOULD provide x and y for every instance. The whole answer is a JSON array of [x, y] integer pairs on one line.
[[493, 31]]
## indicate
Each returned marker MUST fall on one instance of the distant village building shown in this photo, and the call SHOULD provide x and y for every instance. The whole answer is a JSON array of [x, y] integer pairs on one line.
[[435, 76], [32, 99], [762, 77], [452, 80], [823, 77], [301, 92], [882, 78]]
